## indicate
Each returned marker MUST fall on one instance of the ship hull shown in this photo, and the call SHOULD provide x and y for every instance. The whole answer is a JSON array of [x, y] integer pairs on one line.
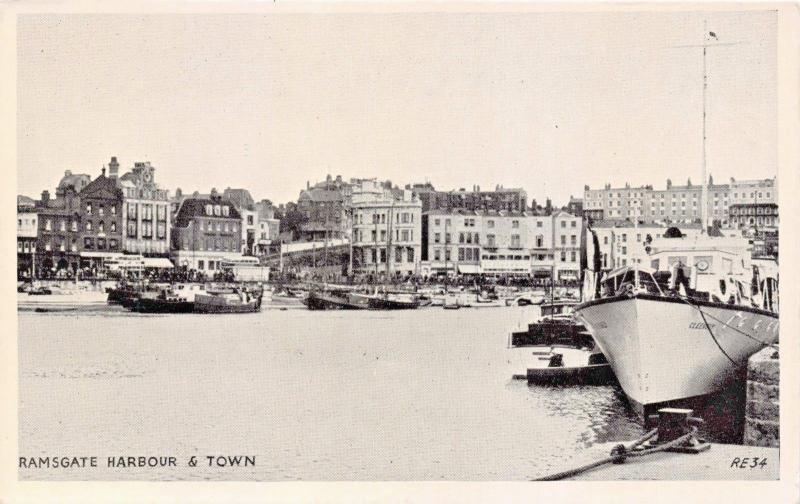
[[662, 351]]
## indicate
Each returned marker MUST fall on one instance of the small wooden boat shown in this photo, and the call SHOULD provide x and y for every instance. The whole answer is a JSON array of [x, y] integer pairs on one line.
[[388, 302], [233, 302], [40, 291], [166, 302], [596, 371], [332, 300]]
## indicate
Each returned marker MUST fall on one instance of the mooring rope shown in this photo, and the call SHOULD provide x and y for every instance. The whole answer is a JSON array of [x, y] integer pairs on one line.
[[704, 314], [620, 452]]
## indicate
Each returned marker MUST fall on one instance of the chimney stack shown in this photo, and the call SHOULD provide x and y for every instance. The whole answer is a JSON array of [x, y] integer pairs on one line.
[[45, 197], [113, 168]]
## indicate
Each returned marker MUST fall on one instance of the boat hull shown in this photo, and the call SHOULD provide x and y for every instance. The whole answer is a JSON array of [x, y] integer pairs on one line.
[[323, 301], [392, 304], [595, 374], [661, 349], [208, 304], [148, 305]]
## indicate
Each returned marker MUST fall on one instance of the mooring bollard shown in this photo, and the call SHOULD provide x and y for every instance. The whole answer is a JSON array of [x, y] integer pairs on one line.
[[676, 423]]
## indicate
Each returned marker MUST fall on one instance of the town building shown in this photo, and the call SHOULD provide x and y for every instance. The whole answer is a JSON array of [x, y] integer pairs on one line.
[[100, 227], [324, 207], [500, 199], [72, 182], [387, 232], [502, 244], [268, 231], [681, 204], [57, 250], [754, 204], [245, 205], [146, 216], [206, 233], [27, 234]]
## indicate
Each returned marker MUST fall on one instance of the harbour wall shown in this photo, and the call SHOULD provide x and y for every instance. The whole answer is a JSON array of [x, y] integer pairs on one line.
[[762, 415]]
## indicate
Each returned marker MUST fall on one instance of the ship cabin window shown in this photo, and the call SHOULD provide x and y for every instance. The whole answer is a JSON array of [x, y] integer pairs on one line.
[[615, 285]]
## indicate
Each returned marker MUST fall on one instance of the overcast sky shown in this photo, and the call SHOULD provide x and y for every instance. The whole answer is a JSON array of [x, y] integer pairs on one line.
[[544, 101]]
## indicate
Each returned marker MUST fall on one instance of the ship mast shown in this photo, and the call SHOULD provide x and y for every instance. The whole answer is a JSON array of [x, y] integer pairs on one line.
[[704, 180]]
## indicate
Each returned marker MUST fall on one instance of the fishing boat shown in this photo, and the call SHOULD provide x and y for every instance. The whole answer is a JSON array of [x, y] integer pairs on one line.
[[334, 299], [393, 302], [571, 366], [235, 301], [166, 302], [684, 327], [555, 326]]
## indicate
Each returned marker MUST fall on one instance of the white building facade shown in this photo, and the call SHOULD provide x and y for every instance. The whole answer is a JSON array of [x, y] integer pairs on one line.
[[386, 229]]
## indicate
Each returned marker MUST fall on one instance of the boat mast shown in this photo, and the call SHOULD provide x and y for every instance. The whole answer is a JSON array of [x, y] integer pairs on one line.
[[635, 248], [704, 181]]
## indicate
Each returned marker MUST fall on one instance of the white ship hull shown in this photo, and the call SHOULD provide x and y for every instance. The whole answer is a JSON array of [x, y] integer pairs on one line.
[[660, 348]]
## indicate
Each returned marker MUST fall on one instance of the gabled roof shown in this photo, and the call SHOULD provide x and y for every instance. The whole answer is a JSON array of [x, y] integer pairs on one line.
[[196, 207], [101, 187]]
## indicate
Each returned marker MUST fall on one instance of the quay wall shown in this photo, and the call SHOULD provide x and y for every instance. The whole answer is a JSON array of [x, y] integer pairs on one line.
[[761, 424]]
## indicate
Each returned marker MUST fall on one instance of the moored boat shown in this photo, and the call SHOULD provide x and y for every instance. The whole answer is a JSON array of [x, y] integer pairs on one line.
[[393, 302], [684, 328], [237, 301], [165, 302]]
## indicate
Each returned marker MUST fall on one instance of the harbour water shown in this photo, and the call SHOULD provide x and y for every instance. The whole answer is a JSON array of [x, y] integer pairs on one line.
[[366, 395]]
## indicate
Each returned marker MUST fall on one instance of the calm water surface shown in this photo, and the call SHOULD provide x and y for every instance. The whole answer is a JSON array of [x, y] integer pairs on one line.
[[417, 395]]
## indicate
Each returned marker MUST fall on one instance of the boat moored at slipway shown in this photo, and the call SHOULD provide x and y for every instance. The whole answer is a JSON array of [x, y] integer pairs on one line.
[[667, 347]]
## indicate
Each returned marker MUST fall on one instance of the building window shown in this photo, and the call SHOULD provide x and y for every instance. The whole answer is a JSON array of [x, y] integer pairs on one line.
[[201, 264], [88, 209], [209, 211], [573, 223], [572, 256], [132, 229], [563, 256], [490, 241], [436, 255], [88, 243], [563, 239], [162, 230], [226, 212], [515, 224], [490, 223], [410, 253], [100, 210], [88, 226], [62, 226], [249, 218], [563, 224]]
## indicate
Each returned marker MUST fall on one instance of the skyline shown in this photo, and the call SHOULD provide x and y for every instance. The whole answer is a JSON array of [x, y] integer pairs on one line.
[[269, 102]]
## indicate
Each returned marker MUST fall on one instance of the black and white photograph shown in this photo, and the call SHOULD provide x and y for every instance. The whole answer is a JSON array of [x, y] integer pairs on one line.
[[400, 243]]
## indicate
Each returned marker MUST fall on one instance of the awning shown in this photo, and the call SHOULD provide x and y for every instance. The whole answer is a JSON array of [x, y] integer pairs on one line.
[[157, 262], [469, 269], [542, 274], [101, 255]]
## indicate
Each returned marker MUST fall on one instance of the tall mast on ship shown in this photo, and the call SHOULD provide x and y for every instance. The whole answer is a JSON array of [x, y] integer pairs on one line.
[[704, 180]]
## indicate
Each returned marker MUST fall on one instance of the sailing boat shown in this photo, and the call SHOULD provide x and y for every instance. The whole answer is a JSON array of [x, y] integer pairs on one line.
[[682, 325]]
